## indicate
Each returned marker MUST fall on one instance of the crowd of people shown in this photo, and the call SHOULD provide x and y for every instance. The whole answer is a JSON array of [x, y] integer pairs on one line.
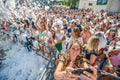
[[84, 38]]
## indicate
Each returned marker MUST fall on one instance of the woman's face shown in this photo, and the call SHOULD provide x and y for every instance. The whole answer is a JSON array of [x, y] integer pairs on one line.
[[74, 51], [58, 27], [25, 22], [76, 32], [87, 28], [52, 32], [112, 33], [42, 25]]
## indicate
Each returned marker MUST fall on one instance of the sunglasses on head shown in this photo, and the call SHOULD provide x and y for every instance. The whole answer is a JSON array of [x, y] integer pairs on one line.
[[76, 29], [99, 35]]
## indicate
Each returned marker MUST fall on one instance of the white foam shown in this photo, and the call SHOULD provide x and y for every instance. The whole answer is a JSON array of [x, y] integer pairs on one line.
[[20, 64]]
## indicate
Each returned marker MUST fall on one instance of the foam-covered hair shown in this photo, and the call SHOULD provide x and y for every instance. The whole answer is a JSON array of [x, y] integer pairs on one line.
[[103, 40], [58, 22]]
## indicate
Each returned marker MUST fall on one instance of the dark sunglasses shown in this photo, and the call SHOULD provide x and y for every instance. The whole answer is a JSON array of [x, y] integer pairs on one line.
[[76, 29], [99, 35]]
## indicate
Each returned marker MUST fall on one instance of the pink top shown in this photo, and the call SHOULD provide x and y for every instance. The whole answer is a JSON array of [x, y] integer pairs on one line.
[[115, 59], [6, 28]]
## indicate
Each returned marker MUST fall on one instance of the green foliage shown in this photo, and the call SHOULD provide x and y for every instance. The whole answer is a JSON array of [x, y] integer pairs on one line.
[[70, 2]]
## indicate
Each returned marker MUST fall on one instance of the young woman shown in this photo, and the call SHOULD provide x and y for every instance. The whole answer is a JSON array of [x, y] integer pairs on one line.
[[111, 36], [42, 34], [70, 60], [59, 36], [91, 49], [86, 34], [51, 43], [76, 34]]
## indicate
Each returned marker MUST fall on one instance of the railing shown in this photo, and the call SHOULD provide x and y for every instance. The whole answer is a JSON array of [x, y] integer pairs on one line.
[[48, 71]]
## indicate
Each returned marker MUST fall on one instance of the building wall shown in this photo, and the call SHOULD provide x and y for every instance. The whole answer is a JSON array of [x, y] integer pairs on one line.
[[10, 4], [115, 6], [112, 5]]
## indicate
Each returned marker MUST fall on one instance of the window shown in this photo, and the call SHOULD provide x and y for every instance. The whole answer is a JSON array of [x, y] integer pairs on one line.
[[90, 4], [102, 2]]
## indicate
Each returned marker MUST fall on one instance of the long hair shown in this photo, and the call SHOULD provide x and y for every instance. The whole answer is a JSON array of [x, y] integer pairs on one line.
[[112, 31], [26, 21], [43, 25], [72, 43], [93, 43], [77, 31]]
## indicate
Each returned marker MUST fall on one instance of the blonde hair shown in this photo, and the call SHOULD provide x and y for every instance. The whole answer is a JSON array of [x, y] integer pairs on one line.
[[72, 43], [93, 43]]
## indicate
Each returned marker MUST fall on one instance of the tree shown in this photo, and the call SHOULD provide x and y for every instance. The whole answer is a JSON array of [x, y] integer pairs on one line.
[[70, 2]]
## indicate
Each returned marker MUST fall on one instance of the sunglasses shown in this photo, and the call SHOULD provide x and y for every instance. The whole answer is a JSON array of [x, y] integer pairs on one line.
[[99, 35], [76, 29]]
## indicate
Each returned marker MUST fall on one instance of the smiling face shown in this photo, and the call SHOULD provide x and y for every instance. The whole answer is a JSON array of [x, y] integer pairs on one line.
[[112, 33], [52, 32], [58, 27], [74, 51]]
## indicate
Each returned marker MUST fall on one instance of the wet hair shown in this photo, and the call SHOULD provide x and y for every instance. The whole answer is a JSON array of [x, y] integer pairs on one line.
[[27, 23], [33, 25], [77, 31]]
